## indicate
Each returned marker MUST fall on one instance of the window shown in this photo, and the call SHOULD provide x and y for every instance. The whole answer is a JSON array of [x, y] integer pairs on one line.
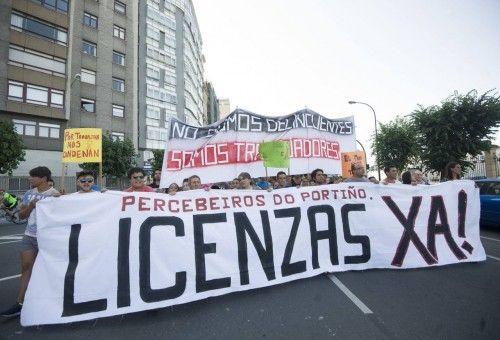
[[120, 7], [30, 59], [153, 72], [87, 76], [87, 105], [89, 48], [48, 130], [23, 23], [118, 85], [118, 58], [153, 112], [118, 32], [34, 94], [37, 94], [160, 94], [16, 91], [156, 133], [489, 188], [89, 20], [56, 98], [118, 136], [152, 122], [25, 127], [118, 110], [58, 5]]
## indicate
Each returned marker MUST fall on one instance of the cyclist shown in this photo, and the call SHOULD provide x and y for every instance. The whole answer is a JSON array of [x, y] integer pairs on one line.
[[9, 202]]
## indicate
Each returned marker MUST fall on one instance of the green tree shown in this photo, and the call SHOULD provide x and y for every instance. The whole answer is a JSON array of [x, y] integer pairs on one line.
[[157, 159], [395, 144], [463, 125], [117, 157], [11, 148]]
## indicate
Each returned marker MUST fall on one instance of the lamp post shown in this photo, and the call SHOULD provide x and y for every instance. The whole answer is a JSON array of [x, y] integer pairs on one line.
[[376, 130]]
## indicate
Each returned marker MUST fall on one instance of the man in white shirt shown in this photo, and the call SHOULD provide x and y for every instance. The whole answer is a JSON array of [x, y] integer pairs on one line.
[[39, 178], [391, 173]]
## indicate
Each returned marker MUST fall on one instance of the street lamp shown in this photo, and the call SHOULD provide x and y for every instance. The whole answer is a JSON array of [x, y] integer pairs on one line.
[[376, 130]]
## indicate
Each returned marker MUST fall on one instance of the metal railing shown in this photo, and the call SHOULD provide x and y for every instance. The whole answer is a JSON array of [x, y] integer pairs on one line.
[[18, 185]]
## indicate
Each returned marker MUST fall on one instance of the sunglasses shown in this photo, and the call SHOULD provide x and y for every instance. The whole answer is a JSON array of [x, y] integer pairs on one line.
[[86, 180], [138, 177]]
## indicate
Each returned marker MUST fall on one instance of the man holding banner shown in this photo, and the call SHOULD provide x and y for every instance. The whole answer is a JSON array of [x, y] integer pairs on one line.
[[39, 178], [137, 183]]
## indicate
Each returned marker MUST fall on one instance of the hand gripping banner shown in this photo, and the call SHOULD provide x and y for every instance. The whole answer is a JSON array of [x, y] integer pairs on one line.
[[116, 253]]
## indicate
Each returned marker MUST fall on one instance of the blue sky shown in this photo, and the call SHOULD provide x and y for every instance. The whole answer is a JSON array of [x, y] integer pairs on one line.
[[274, 57]]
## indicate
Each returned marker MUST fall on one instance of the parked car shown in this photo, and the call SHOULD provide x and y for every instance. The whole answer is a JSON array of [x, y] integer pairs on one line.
[[489, 191]]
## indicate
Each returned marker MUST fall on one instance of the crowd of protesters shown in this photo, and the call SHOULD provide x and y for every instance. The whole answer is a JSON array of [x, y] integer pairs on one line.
[[245, 181], [42, 187]]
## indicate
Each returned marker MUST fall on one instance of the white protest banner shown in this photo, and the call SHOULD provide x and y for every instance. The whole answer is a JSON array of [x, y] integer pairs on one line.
[[219, 152], [115, 253]]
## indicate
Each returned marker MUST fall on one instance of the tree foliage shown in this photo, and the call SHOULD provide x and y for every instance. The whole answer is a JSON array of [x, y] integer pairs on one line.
[[117, 157], [157, 158], [463, 125], [11, 148], [395, 144]]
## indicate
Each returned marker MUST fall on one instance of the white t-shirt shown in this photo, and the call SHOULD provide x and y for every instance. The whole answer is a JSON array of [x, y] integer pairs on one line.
[[27, 198]]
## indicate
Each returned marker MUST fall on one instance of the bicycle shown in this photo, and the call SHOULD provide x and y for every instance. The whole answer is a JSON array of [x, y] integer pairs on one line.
[[12, 215]]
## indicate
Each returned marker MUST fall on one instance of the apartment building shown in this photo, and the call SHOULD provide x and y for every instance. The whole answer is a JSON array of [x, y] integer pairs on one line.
[[170, 70], [102, 75], [211, 104], [224, 107], [124, 66], [34, 45]]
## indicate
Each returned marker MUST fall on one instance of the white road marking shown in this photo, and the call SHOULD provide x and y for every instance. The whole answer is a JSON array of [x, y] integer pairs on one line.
[[10, 242], [9, 277], [10, 237], [494, 257], [491, 239], [350, 294]]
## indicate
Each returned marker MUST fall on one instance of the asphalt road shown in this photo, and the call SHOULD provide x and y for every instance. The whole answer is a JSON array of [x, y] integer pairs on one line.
[[452, 302]]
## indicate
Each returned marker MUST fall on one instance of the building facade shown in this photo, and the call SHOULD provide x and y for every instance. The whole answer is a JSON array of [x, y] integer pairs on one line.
[[34, 46], [102, 75], [211, 104], [67, 63], [124, 66], [170, 70], [224, 107]]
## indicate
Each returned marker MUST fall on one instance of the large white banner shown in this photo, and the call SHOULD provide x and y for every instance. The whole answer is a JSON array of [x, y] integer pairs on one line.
[[221, 151], [115, 253]]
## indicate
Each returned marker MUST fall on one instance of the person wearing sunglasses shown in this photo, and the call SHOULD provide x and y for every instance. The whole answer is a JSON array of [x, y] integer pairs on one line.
[[85, 182], [137, 182]]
